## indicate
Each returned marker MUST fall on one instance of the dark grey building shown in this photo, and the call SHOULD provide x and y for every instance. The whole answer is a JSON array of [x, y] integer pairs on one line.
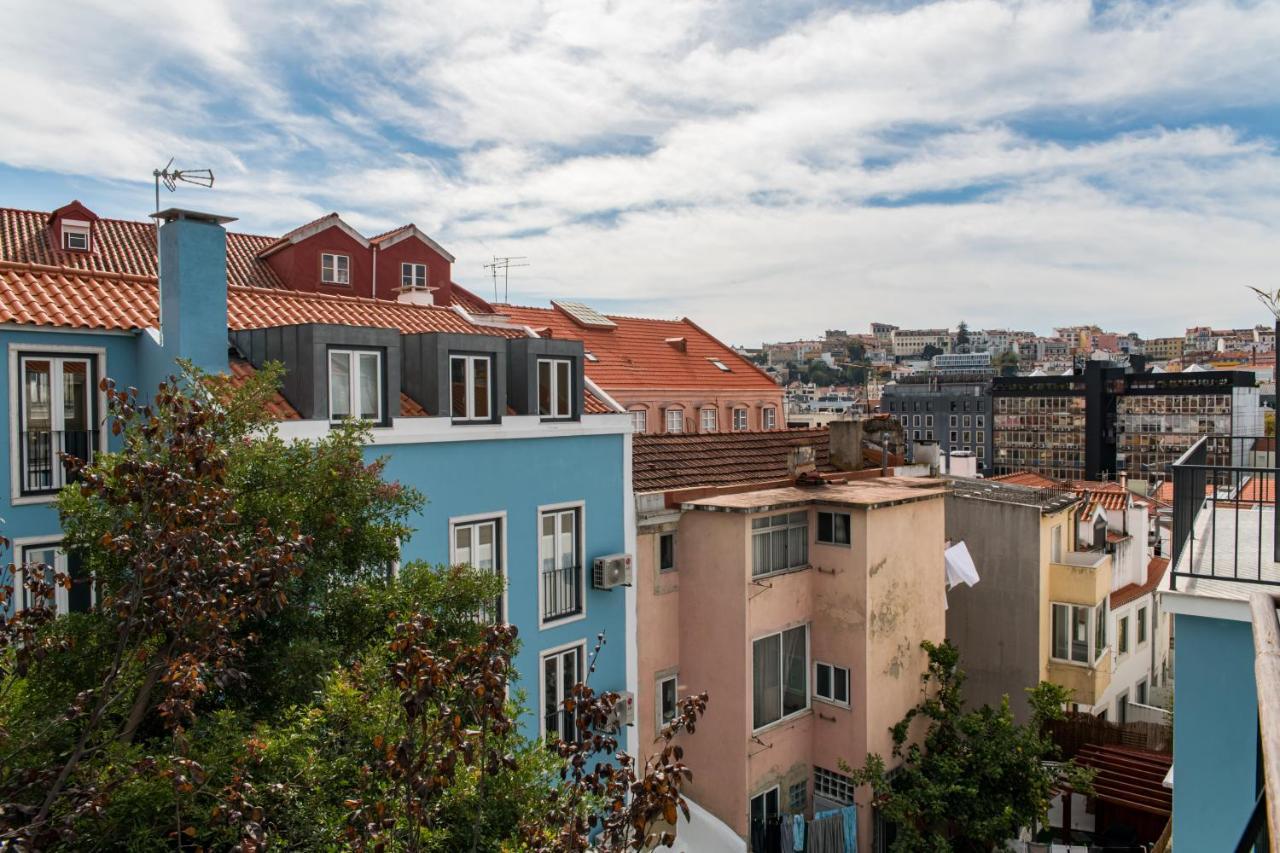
[[952, 410]]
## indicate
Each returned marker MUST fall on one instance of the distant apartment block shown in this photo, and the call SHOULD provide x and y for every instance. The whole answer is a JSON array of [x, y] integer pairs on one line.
[[1164, 349], [970, 363], [907, 342], [953, 410]]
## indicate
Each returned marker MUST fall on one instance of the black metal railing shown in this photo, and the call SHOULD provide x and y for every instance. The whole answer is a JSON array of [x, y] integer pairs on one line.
[[561, 592], [1236, 487], [42, 470]]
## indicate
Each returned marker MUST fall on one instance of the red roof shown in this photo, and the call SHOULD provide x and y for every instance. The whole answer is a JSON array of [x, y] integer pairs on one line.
[[278, 407], [1029, 478], [667, 462], [672, 355], [1155, 573]]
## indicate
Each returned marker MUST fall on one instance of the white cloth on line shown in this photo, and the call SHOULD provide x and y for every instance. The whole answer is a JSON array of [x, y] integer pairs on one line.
[[960, 567]]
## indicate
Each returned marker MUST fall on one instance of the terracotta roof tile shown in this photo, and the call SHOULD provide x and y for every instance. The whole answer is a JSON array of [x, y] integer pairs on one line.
[[636, 353], [593, 405], [1155, 573], [1028, 478], [666, 462], [278, 407], [410, 408]]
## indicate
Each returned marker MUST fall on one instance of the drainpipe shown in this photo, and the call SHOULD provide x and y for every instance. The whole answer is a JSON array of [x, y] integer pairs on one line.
[[375, 270]]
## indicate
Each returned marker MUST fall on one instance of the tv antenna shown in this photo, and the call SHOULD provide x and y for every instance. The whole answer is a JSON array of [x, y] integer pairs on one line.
[[504, 265], [170, 177]]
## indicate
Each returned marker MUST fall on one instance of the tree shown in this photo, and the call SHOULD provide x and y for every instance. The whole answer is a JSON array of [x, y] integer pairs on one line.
[[976, 777], [962, 334], [856, 351], [930, 351], [1005, 363]]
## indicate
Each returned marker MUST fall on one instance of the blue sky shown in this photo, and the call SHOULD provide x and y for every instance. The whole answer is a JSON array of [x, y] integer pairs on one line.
[[771, 169]]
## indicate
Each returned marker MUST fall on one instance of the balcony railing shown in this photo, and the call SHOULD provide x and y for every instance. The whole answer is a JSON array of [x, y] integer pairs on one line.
[[1224, 514], [561, 592], [42, 470]]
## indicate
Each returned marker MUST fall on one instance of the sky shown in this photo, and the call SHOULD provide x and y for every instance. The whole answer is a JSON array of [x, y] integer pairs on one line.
[[770, 169]]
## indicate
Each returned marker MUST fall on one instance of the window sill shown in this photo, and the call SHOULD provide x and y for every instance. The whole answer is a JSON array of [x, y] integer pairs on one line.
[[833, 544], [776, 724], [22, 500], [346, 284], [475, 421], [567, 419], [833, 703], [780, 572], [548, 624]]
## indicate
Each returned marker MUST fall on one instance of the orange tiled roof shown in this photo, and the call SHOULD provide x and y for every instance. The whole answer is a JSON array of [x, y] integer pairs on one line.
[[1155, 573], [666, 462], [278, 407], [1028, 478], [639, 353], [593, 405]]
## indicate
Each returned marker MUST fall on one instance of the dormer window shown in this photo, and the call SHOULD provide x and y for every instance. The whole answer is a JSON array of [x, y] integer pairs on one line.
[[413, 276], [355, 385], [555, 387], [471, 387], [335, 269], [75, 237]]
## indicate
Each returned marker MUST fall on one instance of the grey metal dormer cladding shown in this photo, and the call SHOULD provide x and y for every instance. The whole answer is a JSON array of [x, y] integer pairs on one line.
[[523, 372], [304, 351], [425, 366]]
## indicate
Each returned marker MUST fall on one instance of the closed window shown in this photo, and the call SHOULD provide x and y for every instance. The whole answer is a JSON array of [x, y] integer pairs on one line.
[[49, 559], [335, 269], [739, 420], [413, 276], [779, 542], [666, 552], [479, 544], [675, 421], [831, 683], [833, 528], [928, 420], [667, 704], [471, 387], [355, 385], [1079, 632], [75, 237], [640, 421], [798, 797], [832, 786], [559, 552], [555, 387], [1140, 692], [708, 420], [780, 675], [770, 418], [560, 671], [55, 416], [1122, 638], [1142, 629]]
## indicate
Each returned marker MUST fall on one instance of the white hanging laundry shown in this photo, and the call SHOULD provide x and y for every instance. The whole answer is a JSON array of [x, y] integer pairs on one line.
[[960, 567]]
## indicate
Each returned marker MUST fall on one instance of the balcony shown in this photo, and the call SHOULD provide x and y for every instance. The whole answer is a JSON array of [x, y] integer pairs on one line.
[[1086, 683], [1080, 577], [42, 471]]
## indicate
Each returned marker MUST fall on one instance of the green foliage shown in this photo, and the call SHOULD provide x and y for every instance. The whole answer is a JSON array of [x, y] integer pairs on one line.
[[969, 779], [962, 333]]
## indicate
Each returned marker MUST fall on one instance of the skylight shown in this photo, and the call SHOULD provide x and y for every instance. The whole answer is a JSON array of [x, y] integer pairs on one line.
[[589, 356], [720, 364]]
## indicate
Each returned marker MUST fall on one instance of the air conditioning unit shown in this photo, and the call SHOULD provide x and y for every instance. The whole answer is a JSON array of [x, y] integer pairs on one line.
[[624, 712], [613, 570]]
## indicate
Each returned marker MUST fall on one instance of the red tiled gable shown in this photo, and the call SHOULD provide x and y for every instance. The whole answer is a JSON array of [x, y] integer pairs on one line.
[[593, 405], [1155, 573], [666, 462], [637, 354]]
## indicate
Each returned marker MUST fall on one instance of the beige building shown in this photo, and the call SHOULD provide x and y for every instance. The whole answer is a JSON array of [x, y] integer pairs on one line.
[[799, 609], [913, 341]]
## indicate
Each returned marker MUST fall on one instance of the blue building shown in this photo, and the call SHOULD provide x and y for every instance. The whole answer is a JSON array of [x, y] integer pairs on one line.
[[525, 463], [1225, 572]]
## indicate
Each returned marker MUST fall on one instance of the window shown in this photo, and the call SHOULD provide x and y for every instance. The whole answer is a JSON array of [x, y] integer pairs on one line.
[[1142, 632], [831, 683], [954, 438], [779, 542], [833, 528], [472, 391], [55, 416], [720, 365], [559, 547], [75, 237], [780, 675], [1122, 708], [560, 671], [49, 557], [666, 700], [355, 385], [915, 420], [764, 808], [640, 421], [1140, 692], [928, 420], [1055, 546], [770, 417], [832, 786], [739, 420], [798, 797], [967, 419], [708, 420], [479, 544], [1100, 629], [1122, 638], [953, 419], [413, 276], [555, 387], [675, 421], [966, 437], [1071, 632], [335, 269], [666, 552]]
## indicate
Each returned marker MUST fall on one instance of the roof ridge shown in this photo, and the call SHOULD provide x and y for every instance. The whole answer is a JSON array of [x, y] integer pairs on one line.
[[144, 223], [345, 298], [80, 272]]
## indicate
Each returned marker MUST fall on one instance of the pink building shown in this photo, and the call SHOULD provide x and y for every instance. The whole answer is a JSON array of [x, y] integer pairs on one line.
[[799, 608]]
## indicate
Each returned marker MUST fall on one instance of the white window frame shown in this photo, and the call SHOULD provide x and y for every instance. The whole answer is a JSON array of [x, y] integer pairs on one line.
[[674, 680], [354, 357], [740, 419], [788, 524], [678, 420], [99, 358], [410, 278], [61, 595], [469, 382], [817, 527], [833, 670], [554, 366], [708, 420], [579, 646], [333, 272], [782, 680], [639, 421], [581, 513], [500, 546], [1142, 626], [1122, 635], [776, 790], [770, 417], [71, 228], [828, 784], [1092, 652]]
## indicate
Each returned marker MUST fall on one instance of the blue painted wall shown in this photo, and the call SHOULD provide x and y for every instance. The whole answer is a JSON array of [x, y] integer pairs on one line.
[[518, 476], [1215, 733]]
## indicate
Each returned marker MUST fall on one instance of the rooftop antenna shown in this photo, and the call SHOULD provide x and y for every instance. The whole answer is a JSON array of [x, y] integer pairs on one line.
[[170, 178], [504, 265]]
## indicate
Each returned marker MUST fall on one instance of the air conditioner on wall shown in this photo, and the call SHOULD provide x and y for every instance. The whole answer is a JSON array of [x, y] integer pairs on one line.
[[613, 570]]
